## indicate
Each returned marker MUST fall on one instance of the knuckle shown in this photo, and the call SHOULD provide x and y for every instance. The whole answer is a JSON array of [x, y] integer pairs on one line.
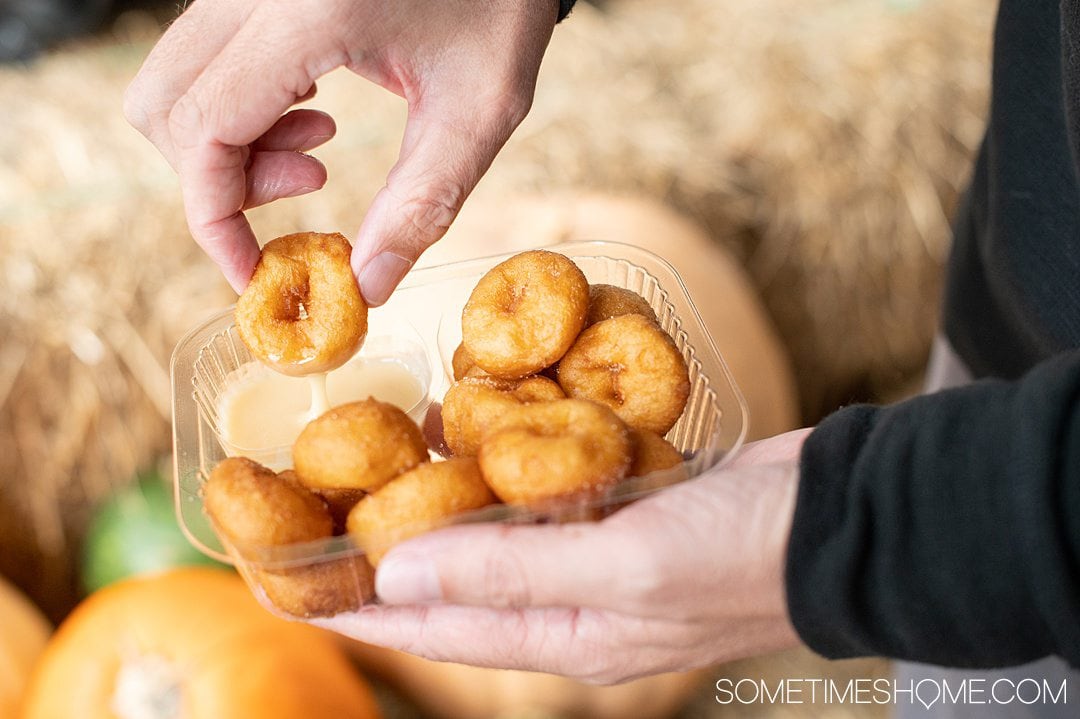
[[515, 106], [135, 107], [505, 581], [185, 119], [431, 213]]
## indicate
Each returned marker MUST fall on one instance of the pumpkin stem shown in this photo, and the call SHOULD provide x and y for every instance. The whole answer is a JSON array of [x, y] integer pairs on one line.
[[147, 687]]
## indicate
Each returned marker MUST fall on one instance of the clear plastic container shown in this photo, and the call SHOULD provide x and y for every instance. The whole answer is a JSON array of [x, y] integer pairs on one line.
[[420, 326]]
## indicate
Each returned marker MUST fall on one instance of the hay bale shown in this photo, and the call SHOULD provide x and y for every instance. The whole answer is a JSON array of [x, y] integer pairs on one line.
[[822, 144]]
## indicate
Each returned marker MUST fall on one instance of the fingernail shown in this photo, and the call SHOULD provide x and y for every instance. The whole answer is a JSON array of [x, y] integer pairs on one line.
[[407, 580], [381, 275]]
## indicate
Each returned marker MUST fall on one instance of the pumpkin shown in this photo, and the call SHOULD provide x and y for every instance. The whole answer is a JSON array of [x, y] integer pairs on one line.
[[191, 644], [23, 633]]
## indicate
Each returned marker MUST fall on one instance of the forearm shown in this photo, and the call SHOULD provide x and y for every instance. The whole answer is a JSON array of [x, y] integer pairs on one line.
[[945, 529]]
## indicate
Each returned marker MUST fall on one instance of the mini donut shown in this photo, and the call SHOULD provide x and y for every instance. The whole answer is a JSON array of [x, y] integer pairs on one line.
[[252, 506], [464, 365], [607, 301], [360, 445], [652, 453], [415, 502], [321, 589], [631, 365], [302, 312], [524, 313], [567, 448], [339, 502], [472, 405]]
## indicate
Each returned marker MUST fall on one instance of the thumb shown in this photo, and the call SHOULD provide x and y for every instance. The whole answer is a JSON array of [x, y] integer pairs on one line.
[[443, 155], [565, 565]]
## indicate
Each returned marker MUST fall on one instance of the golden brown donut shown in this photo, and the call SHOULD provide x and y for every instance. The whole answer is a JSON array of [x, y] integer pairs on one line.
[[464, 365], [631, 365], [652, 453], [525, 313], [473, 404], [252, 507], [320, 589], [302, 312], [360, 445], [567, 448], [415, 502], [607, 301], [340, 502]]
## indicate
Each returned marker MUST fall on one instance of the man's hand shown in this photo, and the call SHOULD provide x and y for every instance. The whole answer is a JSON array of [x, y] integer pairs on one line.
[[214, 97], [683, 579]]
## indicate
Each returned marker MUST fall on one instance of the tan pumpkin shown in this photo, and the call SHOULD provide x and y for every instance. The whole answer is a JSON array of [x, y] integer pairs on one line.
[[23, 634], [720, 287], [191, 644]]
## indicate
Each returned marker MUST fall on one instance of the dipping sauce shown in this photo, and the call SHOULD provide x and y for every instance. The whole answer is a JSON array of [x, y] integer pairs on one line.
[[261, 412]]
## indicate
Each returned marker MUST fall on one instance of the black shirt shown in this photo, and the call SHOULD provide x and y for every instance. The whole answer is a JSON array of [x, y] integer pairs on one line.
[[946, 529]]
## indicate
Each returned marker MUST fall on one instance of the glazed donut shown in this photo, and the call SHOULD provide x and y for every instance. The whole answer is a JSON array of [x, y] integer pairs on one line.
[[415, 502], [567, 448], [632, 366], [524, 313], [607, 301], [361, 446], [302, 312], [653, 453], [472, 405]]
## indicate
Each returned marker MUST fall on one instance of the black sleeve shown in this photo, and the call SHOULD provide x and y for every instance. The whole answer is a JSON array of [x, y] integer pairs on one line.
[[565, 6], [945, 529]]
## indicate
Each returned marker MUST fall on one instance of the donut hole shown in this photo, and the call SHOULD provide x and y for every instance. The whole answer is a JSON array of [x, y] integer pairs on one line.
[[512, 299], [615, 372], [294, 303]]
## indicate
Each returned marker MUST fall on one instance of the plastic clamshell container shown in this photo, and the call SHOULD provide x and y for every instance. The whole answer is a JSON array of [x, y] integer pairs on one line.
[[328, 576]]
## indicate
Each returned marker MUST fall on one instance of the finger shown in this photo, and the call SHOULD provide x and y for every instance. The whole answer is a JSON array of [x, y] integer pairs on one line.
[[275, 175], [227, 238], [443, 155], [192, 41], [600, 647], [298, 130], [559, 641], [241, 95], [589, 565]]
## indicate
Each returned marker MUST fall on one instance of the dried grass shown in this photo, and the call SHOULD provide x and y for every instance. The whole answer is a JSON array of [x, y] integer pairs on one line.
[[822, 143]]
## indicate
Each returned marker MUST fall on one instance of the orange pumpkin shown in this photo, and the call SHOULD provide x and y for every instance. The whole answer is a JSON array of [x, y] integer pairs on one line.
[[191, 644], [23, 634]]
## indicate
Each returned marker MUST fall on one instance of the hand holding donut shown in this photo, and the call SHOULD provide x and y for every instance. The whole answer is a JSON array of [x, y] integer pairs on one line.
[[214, 97], [683, 579]]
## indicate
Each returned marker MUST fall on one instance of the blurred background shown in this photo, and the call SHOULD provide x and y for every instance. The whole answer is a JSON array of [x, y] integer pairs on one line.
[[817, 149]]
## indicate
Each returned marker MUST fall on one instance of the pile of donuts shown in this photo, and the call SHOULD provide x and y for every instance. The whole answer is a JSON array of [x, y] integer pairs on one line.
[[561, 390]]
